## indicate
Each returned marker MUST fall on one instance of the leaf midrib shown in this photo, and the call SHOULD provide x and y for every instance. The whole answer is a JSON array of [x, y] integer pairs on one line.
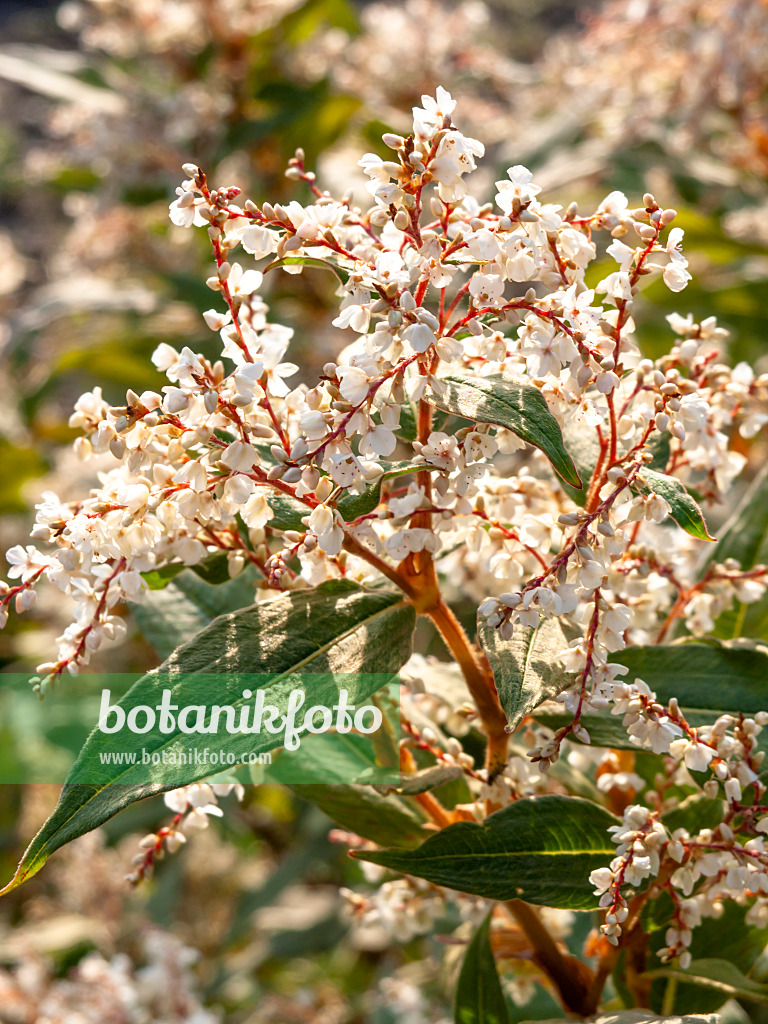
[[100, 789]]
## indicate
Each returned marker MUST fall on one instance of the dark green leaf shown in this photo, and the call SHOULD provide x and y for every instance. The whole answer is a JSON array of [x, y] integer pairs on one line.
[[479, 996], [338, 627], [287, 512], [708, 679], [525, 668], [367, 813], [352, 506], [541, 850], [214, 570], [512, 403], [726, 937], [658, 446], [584, 448], [174, 615], [685, 511], [744, 537]]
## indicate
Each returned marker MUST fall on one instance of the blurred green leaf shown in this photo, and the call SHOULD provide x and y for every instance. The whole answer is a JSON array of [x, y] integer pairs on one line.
[[479, 996]]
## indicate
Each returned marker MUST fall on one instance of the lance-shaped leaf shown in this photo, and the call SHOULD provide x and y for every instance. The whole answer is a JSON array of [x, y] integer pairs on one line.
[[479, 996], [525, 667], [708, 677], [214, 570], [173, 615], [729, 937], [509, 402], [367, 813], [338, 627], [708, 680], [745, 538], [685, 511], [541, 850], [720, 976]]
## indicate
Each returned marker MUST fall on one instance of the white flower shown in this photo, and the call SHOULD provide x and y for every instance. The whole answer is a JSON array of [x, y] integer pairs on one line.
[[433, 110], [487, 289], [240, 457], [675, 274], [519, 186], [258, 241], [354, 384], [419, 337], [322, 523]]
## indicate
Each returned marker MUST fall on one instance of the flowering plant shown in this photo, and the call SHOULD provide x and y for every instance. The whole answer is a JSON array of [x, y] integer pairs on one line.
[[489, 428]]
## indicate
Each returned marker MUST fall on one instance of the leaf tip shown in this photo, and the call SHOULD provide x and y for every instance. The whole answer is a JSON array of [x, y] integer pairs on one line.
[[17, 880]]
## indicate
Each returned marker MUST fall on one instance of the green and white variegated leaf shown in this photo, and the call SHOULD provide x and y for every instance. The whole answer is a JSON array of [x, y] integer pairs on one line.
[[525, 668], [509, 402], [339, 627], [685, 511]]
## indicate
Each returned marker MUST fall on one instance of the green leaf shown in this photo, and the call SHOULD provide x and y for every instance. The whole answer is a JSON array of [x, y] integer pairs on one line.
[[695, 812], [512, 403], [368, 813], [524, 668], [338, 627], [658, 445], [708, 679], [744, 534], [214, 569], [479, 996], [727, 937], [287, 512], [331, 758], [352, 506], [584, 448], [685, 511], [158, 579], [172, 616], [308, 261], [745, 538], [541, 850], [719, 975]]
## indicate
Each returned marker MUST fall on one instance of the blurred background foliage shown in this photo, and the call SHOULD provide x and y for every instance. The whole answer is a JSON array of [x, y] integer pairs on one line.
[[102, 101]]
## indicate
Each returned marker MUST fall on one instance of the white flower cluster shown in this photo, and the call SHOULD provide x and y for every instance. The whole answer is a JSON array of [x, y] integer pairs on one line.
[[164, 991], [192, 806], [713, 862], [433, 283]]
